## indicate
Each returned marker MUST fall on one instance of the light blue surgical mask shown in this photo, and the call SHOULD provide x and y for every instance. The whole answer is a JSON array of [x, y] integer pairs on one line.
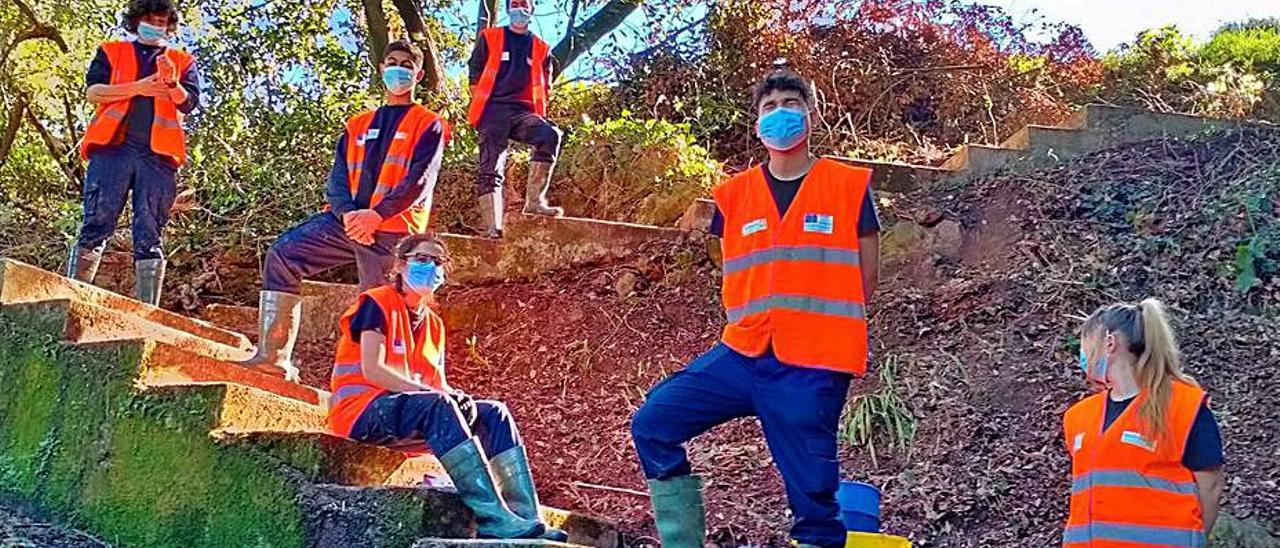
[[1098, 372], [423, 276], [398, 80], [151, 33], [783, 128], [520, 16]]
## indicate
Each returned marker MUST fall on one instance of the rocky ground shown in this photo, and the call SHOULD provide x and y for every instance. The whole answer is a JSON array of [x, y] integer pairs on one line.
[[20, 528]]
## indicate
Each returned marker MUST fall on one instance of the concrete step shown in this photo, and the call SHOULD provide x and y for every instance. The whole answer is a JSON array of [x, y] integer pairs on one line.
[[1120, 125], [167, 365], [326, 458], [88, 323], [23, 283], [322, 307], [1051, 143], [491, 543], [980, 159], [899, 177]]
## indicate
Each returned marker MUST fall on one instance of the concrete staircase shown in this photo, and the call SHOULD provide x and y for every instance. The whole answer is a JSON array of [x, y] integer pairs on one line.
[[128, 421]]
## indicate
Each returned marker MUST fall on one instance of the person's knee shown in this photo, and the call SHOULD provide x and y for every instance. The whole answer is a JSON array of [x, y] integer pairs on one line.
[[645, 426], [494, 410], [547, 142]]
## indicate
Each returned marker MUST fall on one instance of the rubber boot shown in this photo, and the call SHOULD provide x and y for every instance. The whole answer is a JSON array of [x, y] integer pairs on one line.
[[148, 280], [677, 509], [515, 481], [83, 264], [535, 194], [491, 208], [279, 315], [470, 474]]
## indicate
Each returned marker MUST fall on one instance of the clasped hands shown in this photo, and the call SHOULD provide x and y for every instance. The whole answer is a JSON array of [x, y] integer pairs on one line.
[[361, 224]]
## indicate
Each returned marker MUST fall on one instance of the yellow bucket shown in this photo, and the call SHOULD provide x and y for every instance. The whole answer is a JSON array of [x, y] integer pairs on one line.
[[874, 540]]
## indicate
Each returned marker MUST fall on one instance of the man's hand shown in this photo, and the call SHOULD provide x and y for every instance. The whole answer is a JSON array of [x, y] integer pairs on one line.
[[361, 224], [150, 86], [166, 71]]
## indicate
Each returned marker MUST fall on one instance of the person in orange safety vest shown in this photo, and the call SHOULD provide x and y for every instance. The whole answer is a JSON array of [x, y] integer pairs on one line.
[[389, 387], [1146, 452], [380, 189], [800, 244], [135, 144], [510, 75]]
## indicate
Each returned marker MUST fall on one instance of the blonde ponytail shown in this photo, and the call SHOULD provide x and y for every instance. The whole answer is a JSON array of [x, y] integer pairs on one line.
[[1159, 365], [1146, 330]]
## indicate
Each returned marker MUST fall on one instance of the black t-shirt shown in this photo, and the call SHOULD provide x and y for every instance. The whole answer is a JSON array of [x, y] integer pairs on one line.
[[369, 317], [1204, 443], [784, 192], [135, 130]]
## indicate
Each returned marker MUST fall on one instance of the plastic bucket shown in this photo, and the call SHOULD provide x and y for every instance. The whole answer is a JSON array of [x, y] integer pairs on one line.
[[875, 540], [859, 506]]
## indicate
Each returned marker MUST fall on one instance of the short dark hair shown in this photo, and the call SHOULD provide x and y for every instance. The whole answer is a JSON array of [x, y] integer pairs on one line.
[[782, 80], [137, 9], [405, 46]]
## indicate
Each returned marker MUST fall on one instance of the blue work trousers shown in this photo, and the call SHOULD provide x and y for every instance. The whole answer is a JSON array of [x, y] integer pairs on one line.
[[503, 123], [320, 243], [799, 409], [434, 418], [112, 173]]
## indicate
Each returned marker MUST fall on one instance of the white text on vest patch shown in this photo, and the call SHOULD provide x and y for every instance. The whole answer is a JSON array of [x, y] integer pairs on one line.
[[817, 222], [754, 227], [1134, 438]]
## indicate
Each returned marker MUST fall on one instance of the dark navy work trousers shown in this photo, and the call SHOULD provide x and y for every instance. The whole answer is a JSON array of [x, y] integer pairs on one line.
[[320, 243], [435, 419], [503, 123], [113, 175], [799, 409]]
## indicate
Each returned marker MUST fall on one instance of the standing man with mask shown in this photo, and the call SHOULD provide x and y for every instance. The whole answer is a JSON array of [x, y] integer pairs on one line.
[[801, 258], [380, 188], [510, 73], [135, 144]]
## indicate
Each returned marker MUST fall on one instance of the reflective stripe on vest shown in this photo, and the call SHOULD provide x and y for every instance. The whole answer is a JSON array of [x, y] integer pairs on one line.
[[494, 39], [793, 282], [1129, 478], [1139, 534], [395, 166], [1128, 484], [793, 253], [348, 390], [167, 136]]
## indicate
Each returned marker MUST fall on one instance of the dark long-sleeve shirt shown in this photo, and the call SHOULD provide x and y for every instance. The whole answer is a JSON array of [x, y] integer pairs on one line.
[[511, 86], [415, 188], [135, 130]]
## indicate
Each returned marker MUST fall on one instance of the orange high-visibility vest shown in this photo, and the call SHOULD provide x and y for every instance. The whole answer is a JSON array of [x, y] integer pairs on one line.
[[412, 127], [1128, 486], [167, 137], [417, 354], [494, 38], [796, 282]]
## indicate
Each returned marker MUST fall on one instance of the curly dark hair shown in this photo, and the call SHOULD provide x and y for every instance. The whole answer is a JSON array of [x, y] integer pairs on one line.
[[137, 9], [783, 79]]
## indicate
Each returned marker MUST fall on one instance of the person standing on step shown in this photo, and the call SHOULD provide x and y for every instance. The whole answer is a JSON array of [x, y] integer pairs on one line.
[[388, 387], [141, 89], [510, 74], [380, 189], [801, 258], [1146, 452]]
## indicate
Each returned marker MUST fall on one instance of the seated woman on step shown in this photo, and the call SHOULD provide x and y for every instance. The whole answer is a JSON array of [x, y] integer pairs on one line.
[[1146, 453], [389, 387]]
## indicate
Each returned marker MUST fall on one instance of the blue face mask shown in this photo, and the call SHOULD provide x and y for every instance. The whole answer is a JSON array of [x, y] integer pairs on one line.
[[520, 16], [423, 276], [1099, 372], [783, 128], [151, 33], [399, 80]]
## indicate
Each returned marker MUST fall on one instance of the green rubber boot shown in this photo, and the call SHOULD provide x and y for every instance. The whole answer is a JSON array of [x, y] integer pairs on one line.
[[677, 509], [515, 480], [470, 474]]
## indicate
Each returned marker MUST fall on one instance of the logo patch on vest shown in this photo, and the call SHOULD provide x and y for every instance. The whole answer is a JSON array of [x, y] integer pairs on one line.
[[506, 56], [1078, 443], [401, 135], [1134, 438], [372, 133], [754, 227], [817, 222], [397, 346]]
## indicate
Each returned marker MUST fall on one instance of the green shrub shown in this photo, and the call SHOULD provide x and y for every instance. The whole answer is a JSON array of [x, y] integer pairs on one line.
[[632, 169], [1249, 47]]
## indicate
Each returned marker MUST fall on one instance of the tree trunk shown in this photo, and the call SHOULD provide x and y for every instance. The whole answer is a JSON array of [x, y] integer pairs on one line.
[[411, 13], [11, 128], [376, 20], [601, 23], [486, 14]]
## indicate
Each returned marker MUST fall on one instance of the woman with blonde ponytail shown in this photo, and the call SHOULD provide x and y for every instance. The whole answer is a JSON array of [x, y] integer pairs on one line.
[[1146, 452]]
